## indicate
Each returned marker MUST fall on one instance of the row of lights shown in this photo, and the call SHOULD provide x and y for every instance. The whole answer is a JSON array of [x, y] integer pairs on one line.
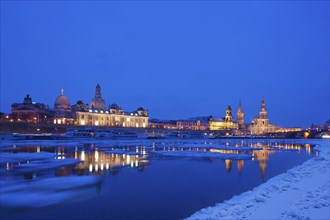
[[107, 112]]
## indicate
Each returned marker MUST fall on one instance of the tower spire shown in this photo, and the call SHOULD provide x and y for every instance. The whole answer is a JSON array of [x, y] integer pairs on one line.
[[240, 116], [62, 91]]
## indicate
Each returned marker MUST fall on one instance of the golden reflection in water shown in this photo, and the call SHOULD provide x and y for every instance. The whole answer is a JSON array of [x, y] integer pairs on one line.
[[82, 155], [262, 157], [228, 165], [223, 151], [97, 162], [75, 152], [240, 164], [308, 148], [60, 153]]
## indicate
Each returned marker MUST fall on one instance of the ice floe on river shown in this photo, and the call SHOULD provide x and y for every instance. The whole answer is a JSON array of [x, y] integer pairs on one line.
[[46, 192], [22, 157]]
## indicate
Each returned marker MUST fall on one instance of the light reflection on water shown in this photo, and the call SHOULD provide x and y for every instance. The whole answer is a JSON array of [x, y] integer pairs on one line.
[[109, 160], [98, 160]]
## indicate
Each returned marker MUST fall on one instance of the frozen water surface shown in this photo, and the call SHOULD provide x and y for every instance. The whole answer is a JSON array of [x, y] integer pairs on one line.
[[145, 179]]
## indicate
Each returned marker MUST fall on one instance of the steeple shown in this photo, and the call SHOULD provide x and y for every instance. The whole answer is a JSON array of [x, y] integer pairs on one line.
[[240, 106], [263, 111], [240, 116], [62, 91], [263, 104]]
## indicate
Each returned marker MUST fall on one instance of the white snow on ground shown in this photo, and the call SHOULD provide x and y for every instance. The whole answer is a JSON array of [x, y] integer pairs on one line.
[[303, 192]]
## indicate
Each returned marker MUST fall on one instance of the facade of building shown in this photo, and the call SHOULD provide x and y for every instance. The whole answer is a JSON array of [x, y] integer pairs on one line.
[[226, 123], [260, 125], [163, 124], [192, 125], [136, 119], [98, 115], [31, 112]]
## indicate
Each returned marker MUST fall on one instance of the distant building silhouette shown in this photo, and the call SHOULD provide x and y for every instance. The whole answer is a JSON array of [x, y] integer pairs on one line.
[[31, 112]]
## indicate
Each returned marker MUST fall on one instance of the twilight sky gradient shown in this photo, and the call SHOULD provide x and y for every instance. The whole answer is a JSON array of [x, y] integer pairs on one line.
[[177, 59]]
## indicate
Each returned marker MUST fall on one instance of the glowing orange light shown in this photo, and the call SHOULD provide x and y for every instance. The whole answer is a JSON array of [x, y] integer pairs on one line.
[[306, 134]]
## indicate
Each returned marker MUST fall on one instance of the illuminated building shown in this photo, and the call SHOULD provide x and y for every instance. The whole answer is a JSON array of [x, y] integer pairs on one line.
[[112, 117], [62, 108], [31, 112], [199, 123], [226, 123], [260, 124], [98, 115], [240, 116]]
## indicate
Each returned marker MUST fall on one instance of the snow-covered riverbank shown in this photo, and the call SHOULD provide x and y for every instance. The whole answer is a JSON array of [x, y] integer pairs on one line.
[[303, 192]]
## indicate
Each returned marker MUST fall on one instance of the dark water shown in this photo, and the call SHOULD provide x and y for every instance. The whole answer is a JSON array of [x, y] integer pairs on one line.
[[142, 185]]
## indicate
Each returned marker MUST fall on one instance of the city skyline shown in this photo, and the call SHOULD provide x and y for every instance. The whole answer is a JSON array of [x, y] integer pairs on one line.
[[176, 59]]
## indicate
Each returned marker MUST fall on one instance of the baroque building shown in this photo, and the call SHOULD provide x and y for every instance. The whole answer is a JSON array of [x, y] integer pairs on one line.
[[98, 115], [260, 124], [31, 112], [226, 123], [112, 117]]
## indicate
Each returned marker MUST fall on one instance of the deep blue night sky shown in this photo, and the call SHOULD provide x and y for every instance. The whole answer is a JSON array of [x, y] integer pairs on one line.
[[177, 59]]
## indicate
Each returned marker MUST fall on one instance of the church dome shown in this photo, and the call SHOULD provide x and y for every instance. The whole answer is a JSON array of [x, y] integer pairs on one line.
[[97, 102], [62, 102]]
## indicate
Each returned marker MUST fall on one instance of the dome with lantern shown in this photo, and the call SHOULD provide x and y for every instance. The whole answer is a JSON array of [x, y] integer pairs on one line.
[[62, 102]]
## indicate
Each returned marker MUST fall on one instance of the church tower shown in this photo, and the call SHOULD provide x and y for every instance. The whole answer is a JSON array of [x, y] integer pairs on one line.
[[229, 116], [240, 116], [263, 118], [97, 102]]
